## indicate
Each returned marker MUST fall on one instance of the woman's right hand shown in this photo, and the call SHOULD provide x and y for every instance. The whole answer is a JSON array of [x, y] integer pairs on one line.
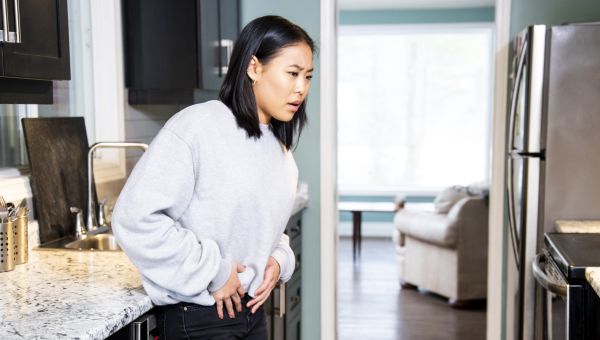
[[231, 293]]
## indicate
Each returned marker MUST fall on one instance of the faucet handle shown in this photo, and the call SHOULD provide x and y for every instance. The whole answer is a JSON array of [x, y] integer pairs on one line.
[[101, 212], [78, 221]]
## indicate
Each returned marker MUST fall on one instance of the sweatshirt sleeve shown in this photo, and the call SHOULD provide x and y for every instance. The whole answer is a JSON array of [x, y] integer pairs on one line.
[[284, 255], [146, 222]]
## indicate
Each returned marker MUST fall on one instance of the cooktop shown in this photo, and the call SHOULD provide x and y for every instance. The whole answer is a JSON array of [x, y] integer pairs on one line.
[[573, 253]]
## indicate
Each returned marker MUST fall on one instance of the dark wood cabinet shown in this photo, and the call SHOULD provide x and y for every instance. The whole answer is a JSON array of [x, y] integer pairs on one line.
[[34, 51], [173, 48], [286, 325]]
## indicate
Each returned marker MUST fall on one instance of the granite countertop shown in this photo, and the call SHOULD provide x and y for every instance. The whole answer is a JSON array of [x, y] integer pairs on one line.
[[593, 277], [577, 226], [62, 294]]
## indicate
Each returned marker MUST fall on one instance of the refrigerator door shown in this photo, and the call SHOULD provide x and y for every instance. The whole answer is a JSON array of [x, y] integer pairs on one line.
[[572, 184]]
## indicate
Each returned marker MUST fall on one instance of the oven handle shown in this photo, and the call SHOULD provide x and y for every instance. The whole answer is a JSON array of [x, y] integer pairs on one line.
[[539, 272]]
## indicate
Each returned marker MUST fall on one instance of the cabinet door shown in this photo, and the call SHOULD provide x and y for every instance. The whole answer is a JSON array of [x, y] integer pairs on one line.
[[229, 26], [292, 330], [43, 52], [160, 44], [208, 40], [218, 29]]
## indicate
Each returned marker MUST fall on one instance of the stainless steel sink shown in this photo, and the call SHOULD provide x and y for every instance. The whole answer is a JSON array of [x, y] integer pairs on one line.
[[94, 242], [102, 242]]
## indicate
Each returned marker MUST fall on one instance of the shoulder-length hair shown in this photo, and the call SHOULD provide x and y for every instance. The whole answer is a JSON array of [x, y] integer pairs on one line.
[[262, 37]]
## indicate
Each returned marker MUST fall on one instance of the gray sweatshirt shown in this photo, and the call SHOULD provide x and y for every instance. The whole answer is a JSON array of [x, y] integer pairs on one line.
[[204, 195]]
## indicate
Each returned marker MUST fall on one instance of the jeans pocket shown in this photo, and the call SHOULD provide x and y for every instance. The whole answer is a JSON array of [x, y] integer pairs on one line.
[[203, 322]]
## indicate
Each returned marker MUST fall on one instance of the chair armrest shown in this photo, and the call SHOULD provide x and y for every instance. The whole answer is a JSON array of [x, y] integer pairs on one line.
[[471, 215], [426, 226]]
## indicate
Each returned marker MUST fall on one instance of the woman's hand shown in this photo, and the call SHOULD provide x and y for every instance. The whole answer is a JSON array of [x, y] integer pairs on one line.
[[272, 271], [231, 293]]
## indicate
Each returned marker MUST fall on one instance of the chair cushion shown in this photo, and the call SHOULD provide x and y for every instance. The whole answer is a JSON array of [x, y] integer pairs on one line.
[[427, 226], [448, 197]]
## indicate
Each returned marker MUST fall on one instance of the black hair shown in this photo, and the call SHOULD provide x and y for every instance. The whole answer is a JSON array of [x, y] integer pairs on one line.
[[263, 37]]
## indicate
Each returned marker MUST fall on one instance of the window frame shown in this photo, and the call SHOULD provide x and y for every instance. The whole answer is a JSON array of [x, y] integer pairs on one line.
[[391, 29]]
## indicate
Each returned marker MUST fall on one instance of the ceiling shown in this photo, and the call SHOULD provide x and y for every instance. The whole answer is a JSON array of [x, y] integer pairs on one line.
[[411, 4]]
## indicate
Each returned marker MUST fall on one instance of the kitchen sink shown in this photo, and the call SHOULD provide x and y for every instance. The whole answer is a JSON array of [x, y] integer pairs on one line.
[[102, 242], [94, 242]]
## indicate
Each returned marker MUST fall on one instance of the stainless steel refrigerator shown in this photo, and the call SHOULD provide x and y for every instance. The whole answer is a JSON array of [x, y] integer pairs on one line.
[[553, 160]]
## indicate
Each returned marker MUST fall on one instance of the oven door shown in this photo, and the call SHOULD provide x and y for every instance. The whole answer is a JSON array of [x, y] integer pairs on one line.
[[554, 306]]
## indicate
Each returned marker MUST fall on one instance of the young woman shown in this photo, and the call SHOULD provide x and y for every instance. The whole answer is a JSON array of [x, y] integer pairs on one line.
[[203, 213]]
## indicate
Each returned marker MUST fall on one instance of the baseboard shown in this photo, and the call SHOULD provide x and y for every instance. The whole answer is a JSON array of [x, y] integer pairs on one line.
[[369, 229]]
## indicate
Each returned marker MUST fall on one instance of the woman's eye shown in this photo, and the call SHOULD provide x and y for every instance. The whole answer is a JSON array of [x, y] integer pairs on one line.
[[294, 74], [309, 77]]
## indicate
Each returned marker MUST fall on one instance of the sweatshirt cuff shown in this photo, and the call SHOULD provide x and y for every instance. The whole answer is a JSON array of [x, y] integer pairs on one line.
[[281, 257], [222, 276]]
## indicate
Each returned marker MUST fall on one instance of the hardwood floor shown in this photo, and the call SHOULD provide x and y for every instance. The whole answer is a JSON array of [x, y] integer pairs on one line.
[[371, 304]]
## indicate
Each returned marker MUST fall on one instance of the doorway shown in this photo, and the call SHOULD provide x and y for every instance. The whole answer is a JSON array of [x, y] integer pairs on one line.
[[383, 54]]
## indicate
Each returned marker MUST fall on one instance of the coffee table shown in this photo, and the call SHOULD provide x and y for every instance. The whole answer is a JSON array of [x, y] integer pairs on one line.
[[357, 208]]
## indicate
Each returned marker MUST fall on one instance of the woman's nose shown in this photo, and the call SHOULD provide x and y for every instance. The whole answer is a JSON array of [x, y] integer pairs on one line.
[[302, 86]]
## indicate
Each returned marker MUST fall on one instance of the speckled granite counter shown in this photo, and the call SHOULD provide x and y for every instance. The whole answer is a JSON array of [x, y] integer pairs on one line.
[[577, 226], [593, 277], [63, 294]]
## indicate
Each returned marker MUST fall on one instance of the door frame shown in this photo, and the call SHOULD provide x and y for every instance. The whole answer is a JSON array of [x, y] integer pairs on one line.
[[497, 317], [498, 255], [328, 169]]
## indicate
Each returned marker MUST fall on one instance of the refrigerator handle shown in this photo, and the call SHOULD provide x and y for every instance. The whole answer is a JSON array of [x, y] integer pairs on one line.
[[515, 94], [512, 225]]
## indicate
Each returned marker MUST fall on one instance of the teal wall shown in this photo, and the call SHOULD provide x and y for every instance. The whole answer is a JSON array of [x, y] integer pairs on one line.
[[307, 15], [551, 12], [417, 16]]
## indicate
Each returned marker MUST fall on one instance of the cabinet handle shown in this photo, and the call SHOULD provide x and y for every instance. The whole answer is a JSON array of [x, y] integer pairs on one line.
[[17, 22], [5, 20], [279, 309], [228, 44]]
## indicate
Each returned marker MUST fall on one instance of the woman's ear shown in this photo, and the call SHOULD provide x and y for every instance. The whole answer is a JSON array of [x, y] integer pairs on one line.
[[254, 69]]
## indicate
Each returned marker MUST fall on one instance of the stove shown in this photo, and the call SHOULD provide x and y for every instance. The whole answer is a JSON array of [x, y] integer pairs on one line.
[[571, 307], [573, 253]]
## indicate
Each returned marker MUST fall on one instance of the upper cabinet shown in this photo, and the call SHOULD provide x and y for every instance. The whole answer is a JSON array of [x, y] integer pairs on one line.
[[175, 47], [34, 49]]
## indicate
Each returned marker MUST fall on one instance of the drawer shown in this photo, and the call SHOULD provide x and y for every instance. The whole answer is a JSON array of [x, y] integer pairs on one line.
[[294, 228], [293, 296], [292, 328], [298, 255]]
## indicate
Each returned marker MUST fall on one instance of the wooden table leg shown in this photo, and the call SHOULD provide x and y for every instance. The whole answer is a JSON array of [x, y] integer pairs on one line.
[[356, 233], [359, 232]]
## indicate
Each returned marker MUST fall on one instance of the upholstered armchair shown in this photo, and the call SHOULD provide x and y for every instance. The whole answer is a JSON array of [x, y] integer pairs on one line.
[[444, 250]]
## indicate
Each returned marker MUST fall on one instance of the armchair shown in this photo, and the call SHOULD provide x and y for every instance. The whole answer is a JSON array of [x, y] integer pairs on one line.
[[445, 250]]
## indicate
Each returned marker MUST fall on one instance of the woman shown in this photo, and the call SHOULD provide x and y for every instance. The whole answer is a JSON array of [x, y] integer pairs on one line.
[[203, 213]]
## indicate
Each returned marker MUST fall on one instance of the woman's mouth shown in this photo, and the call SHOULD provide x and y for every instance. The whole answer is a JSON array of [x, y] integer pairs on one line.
[[294, 105]]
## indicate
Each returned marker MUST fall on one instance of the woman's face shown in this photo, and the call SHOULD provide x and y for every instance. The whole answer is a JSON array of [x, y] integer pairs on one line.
[[282, 84]]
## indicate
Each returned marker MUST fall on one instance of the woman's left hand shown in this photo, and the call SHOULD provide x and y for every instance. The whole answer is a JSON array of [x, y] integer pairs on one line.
[[272, 271]]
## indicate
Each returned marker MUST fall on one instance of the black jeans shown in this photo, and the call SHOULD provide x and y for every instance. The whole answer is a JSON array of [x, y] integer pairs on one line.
[[190, 321]]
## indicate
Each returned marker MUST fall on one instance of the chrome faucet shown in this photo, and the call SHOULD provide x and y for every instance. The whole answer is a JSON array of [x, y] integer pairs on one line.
[[91, 221]]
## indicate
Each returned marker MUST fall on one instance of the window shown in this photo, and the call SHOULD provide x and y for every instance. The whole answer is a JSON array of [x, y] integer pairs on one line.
[[414, 106]]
